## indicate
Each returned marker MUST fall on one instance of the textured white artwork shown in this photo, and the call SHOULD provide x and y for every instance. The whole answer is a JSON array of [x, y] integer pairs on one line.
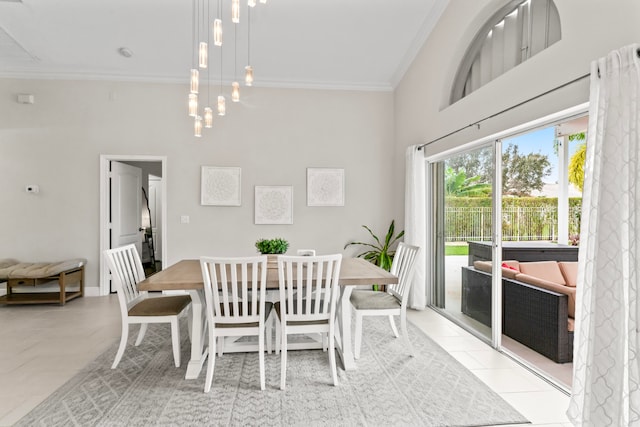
[[220, 186], [325, 187], [274, 205]]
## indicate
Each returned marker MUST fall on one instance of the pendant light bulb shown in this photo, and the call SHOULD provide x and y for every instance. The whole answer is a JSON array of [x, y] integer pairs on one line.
[[197, 127], [235, 92], [203, 55], [248, 75], [222, 109], [208, 117], [217, 32], [194, 81], [252, 3], [235, 11], [193, 104]]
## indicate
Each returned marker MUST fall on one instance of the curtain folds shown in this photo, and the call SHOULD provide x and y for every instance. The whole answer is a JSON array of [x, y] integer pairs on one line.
[[415, 221], [606, 381]]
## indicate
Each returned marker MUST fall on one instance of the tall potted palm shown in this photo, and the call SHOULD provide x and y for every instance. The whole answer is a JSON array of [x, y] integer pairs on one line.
[[380, 252]]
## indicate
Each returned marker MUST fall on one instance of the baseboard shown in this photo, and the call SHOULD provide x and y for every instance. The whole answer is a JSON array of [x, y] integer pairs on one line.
[[92, 291]]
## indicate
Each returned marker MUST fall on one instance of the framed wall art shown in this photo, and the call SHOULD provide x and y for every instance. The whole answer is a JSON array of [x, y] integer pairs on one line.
[[325, 187], [220, 186], [274, 204]]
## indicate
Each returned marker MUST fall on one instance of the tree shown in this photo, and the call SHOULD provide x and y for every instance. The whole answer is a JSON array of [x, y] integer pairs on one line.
[[521, 174], [576, 166], [576, 163], [475, 163], [459, 185]]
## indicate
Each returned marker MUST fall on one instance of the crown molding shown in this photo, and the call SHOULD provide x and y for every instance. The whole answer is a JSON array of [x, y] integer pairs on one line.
[[273, 83]]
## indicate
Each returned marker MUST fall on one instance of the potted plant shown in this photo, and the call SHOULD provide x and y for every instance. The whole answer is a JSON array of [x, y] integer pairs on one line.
[[272, 247], [380, 252]]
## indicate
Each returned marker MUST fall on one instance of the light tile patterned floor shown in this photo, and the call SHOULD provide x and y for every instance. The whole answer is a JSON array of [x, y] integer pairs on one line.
[[41, 347]]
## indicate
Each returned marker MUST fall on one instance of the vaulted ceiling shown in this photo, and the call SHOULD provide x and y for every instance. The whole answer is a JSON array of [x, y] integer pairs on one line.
[[347, 44]]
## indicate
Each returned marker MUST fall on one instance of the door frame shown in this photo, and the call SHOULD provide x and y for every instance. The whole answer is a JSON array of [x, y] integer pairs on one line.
[[495, 139], [104, 226]]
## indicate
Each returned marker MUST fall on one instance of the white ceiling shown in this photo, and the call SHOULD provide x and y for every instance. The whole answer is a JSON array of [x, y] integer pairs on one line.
[[344, 44]]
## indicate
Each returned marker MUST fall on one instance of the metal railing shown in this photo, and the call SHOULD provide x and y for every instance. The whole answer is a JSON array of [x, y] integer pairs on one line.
[[518, 223]]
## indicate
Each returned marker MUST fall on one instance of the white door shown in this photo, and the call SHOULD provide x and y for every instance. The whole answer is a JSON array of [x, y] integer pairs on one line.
[[126, 211], [155, 206]]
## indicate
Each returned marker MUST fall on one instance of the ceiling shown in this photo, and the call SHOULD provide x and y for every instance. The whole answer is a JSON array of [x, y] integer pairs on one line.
[[339, 44]]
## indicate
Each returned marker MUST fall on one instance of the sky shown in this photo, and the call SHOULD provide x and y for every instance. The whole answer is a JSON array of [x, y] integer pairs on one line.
[[541, 141]]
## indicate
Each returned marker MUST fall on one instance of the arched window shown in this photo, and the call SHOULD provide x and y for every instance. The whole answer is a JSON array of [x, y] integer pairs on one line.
[[519, 30]]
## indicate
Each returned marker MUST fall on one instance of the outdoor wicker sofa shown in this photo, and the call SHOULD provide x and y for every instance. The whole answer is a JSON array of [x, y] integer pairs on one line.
[[538, 314]]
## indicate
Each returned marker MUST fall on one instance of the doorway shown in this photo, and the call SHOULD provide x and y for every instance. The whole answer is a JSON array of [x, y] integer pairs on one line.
[[488, 205], [149, 202]]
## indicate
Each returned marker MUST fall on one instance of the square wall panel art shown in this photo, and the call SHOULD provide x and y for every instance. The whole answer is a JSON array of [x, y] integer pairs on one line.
[[274, 205], [220, 186], [325, 187]]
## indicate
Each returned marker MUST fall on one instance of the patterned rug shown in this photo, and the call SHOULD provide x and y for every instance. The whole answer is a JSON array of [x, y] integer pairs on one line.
[[388, 388]]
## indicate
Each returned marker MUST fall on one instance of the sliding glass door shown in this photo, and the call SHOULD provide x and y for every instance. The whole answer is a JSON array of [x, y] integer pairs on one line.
[[509, 207]]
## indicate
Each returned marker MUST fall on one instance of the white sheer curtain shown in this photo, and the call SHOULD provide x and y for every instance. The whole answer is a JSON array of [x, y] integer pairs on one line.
[[415, 222], [606, 382]]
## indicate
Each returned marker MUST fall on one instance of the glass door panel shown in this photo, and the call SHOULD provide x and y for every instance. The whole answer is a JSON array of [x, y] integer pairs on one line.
[[463, 189], [540, 222]]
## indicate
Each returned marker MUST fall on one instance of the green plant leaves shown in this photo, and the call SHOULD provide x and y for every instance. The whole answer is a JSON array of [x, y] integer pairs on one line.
[[379, 253], [272, 246]]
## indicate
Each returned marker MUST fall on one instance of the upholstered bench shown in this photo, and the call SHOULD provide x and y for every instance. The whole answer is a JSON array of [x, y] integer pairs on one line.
[[24, 277]]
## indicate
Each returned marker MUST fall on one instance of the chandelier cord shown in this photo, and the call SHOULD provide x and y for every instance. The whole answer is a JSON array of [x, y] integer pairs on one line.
[[249, 36], [208, 44], [193, 32], [220, 3]]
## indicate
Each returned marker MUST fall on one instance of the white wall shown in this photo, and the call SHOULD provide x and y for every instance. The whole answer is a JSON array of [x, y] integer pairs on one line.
[[590, 29], [273, 137]]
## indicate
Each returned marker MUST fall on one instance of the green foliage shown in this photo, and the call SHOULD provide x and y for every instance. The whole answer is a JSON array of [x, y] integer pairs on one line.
[[379, 253], [456, 249], [521, 174], [272, 246], [576, 166], [459, 185], [474, 163], [580, 136], [533, 202]]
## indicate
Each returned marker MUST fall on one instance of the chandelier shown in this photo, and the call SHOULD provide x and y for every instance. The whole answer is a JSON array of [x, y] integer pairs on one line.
[[219, 29]]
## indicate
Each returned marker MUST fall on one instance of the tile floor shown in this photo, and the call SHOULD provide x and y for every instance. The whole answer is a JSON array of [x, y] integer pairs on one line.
[[41, 347]]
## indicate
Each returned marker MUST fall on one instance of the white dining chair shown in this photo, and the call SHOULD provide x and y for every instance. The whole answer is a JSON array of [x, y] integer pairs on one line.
[[308, 298], [137, 307], [391, 303], [235, 290], [306, 252]]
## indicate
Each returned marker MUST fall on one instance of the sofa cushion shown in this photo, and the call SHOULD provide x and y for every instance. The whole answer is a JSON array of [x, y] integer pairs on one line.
[[570, 272], [509, 268], [34, 270], [546, 270], [552, 286]]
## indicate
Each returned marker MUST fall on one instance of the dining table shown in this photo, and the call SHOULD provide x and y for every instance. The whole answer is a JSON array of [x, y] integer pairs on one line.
[[186, 275]]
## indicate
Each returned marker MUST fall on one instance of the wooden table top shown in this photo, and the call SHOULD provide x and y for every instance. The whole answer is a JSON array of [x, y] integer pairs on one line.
[[186, 274]]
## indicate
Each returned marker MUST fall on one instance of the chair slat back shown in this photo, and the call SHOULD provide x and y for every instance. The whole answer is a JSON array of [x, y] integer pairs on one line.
[[126, 272], [308, 286], [234, 288], [403, 266]]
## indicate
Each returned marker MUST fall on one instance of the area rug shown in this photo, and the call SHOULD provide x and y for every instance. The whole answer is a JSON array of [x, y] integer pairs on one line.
[[388, 388]]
